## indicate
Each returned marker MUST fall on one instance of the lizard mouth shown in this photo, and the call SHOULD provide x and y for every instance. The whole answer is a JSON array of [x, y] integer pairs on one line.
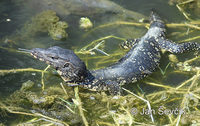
[[39, 54]]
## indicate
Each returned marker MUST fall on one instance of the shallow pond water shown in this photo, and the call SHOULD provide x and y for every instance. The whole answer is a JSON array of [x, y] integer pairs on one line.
[[15, 33]]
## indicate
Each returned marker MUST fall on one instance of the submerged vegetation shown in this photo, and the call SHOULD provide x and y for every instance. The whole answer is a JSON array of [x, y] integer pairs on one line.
[[163, 103], [85, 23], [186, 6], [60, 105], [46, 22]]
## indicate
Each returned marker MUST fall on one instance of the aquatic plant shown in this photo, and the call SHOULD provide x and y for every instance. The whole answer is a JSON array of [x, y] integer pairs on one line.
[[85, 23], [117, 110], [187, 6], [57, 30], [46, 21]]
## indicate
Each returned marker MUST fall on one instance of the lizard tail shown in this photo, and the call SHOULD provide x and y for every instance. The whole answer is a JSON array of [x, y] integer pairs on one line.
[[155, 20]]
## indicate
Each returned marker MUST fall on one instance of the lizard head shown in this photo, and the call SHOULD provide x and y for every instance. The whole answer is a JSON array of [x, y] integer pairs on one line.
[[70, 67]]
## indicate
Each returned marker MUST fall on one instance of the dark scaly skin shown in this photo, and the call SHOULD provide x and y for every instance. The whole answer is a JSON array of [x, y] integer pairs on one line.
[[140, 61]]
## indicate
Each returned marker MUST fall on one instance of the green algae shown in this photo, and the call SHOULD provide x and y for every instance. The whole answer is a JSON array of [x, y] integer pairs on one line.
[[57, 30], [47, 103], [112, 110], [46, 22], [61, 103], [27, 85], [85, 23], [1, 124]]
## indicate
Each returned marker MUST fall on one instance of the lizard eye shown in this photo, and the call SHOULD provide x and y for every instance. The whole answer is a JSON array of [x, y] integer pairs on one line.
[[54, 57], [66, 65]]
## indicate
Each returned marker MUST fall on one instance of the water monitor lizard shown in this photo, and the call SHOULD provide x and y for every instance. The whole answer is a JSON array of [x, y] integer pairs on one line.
[[142, 59]]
